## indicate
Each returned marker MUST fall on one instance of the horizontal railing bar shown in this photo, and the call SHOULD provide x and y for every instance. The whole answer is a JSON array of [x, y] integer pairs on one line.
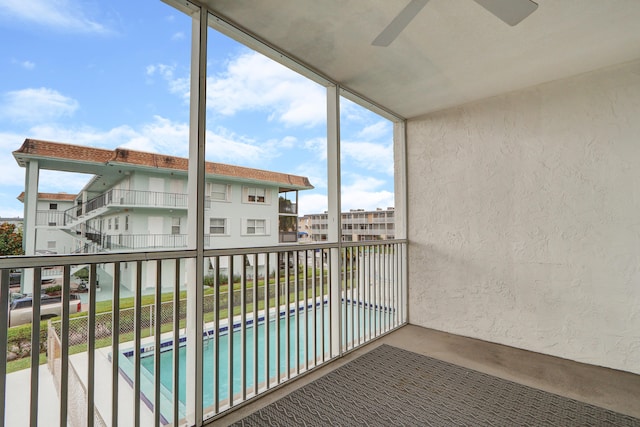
[[102, 258]]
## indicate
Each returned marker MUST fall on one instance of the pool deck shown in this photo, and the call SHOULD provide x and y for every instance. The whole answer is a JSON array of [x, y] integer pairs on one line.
[[18, 399]]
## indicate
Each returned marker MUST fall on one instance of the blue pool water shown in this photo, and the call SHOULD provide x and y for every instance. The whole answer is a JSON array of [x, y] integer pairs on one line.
[[297, 354]]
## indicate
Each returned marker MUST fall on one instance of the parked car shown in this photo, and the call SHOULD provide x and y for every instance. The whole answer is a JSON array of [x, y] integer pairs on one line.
[[14, 278], [50, 306]]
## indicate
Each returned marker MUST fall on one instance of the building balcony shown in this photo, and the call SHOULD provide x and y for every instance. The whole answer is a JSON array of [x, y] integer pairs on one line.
[[121, 199], [125, 242]]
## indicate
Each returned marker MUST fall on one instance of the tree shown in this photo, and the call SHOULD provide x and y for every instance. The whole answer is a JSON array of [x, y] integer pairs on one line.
[[10, 240]]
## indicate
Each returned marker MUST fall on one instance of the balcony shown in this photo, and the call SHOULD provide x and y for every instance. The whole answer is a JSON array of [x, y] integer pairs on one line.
[[283, 320], [125, 242], [123, 198]]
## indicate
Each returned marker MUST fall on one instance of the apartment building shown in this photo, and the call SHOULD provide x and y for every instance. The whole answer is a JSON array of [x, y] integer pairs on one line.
[[137, 201], [357, 225]]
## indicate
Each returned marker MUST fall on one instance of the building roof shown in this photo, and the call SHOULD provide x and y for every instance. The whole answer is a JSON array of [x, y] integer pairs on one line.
[[83, 159], [63, 197]]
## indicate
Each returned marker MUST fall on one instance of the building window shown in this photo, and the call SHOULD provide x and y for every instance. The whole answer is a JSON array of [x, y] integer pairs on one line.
[[256, 226], [126, 223], [219, 192], [116, 223], [109, 224], [53, 206], [255, 195], [175, 225], [217, 226]]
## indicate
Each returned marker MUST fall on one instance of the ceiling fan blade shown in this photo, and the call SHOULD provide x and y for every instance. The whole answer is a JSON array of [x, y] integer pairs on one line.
[[406, 15], [510, 11]]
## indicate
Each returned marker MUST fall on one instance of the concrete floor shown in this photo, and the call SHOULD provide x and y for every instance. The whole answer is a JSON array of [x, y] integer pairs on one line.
[[607, 388]]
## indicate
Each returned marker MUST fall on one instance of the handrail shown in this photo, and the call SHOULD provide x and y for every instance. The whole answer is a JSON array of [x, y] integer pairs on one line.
[[128, 198], [53, 260]]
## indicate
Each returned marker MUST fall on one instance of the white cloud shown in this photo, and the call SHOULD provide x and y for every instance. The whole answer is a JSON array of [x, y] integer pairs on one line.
[[311, 203], [365, 193], [377, 130], [315, 171], [178, 36], [161, 136], [252, 82], [37, 105], [368, 155], [12, 174], [225, 146], [59, 14], [177, 85], [27, 65], [67, 182], [318, 146]]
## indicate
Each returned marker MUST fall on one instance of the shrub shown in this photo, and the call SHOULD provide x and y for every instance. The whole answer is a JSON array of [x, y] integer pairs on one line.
[[52, 289], [209, 281]]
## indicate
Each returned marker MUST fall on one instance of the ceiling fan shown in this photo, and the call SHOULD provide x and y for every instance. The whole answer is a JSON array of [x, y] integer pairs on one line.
[[510, 11]]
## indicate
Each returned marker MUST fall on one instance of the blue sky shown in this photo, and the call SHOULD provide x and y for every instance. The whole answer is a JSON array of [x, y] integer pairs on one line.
[[116, 74]]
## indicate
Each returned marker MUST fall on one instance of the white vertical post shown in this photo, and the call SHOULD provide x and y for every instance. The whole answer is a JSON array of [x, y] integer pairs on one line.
[[195, 218], [32, 174], [334, 214], [400, 179], [401, 211]]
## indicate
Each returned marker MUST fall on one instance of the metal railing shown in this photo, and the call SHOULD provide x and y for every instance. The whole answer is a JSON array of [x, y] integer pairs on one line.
[[123, 242], [50, 218], [120, 197], [268, 315]]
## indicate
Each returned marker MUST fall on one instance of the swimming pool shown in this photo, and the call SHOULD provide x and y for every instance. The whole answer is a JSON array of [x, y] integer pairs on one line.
[[299, 351]]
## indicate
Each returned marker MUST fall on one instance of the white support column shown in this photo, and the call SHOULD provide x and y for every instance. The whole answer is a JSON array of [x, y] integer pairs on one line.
[[32, 174], [334, 217], [401, 211], [195, 218], [400, 180]]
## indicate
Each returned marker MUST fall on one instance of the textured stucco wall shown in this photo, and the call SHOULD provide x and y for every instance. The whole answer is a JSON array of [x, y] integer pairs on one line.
[[524, 219]]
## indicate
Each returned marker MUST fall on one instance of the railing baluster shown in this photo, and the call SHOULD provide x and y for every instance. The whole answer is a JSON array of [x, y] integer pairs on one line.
[[322, 327], [176, 344], [277, 318], [296, 284], [216, 339], [230, 330], [35, 345], [255, 324], [4, 332], [243, 329], [157, 323], [359, 295], [64, 344], [267, 324], [137, 332], [115, 343], [91, 350]]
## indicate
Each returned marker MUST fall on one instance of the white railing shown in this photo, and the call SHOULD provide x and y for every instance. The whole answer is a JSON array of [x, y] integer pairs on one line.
[[288, 310]]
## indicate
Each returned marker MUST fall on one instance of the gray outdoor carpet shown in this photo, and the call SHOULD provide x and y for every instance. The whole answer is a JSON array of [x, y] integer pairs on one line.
[[390, 386]]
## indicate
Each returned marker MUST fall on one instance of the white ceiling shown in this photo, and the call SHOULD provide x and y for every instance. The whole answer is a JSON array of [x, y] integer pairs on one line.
[[452, 53]]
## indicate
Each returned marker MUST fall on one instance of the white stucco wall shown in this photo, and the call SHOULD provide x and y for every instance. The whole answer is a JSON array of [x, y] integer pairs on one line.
[[524, 219]]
